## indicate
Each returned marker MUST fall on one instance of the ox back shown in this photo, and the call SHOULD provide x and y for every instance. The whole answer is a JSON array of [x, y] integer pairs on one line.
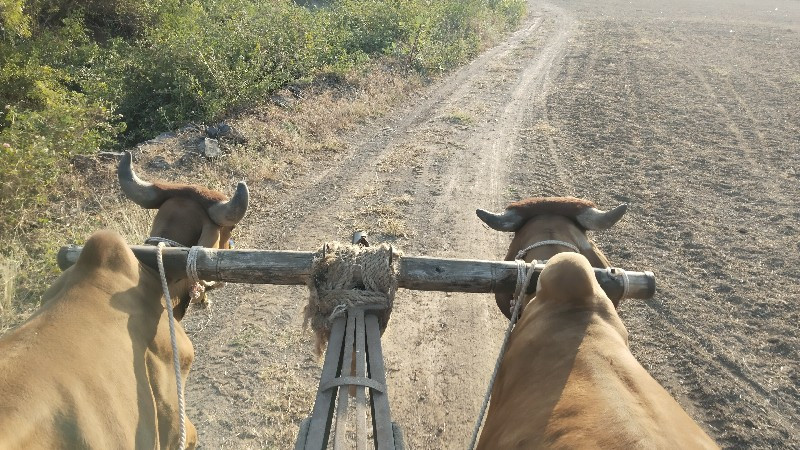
[[92, 368], [569, 380]]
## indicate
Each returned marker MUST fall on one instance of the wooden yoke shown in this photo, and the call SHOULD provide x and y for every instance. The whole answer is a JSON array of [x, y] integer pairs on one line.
[[417, 273]]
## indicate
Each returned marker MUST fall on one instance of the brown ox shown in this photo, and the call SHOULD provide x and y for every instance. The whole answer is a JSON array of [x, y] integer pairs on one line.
[[92, 367], [568, 378]]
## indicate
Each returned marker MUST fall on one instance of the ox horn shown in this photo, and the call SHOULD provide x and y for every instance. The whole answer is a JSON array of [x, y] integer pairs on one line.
[[507, 221], [594, 219], [141, 192], [231, 212]]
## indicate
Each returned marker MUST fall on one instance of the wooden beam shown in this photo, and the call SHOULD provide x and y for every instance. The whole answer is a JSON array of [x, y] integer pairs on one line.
[[414, 272]]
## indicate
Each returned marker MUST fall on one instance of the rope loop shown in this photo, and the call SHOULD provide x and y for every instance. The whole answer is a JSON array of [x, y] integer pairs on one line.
[[191, 263], [344, 275], [626, 282]]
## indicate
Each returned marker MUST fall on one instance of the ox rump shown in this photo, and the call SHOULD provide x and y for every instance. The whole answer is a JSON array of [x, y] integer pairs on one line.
[[416, 273]]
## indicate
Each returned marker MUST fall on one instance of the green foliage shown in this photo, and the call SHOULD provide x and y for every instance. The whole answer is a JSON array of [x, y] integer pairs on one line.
[[431, 35], [373, 26], [160, 64], [76, 77], [13, 22], [48, 115], [201, 61]]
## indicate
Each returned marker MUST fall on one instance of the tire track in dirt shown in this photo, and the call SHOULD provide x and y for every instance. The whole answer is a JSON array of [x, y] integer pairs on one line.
[[451, 349], [328, 185], [437, 352]]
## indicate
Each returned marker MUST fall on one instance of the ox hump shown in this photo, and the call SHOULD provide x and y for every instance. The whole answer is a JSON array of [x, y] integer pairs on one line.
[[107, 249], [567, 275]]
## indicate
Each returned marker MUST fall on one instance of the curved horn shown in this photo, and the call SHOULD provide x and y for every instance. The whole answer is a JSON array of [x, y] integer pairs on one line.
[[141, 192], [231, 212], [594, 219], [507, 221]]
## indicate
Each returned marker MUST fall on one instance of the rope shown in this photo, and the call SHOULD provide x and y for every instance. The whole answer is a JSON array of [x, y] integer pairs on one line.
[[191, 263], [626, 282], [154, 240], [174, 342], [523, 280], [343, 276], [197, 289], [525, 250]]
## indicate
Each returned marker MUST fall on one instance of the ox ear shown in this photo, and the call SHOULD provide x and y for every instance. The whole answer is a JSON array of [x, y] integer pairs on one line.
[[141, 192], [509, 220], [594, 219], [231, 212]]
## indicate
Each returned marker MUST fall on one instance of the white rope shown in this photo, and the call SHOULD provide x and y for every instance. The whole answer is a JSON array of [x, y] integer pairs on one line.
[[523, 280], [191, 264], [521, 254], [174, 342], [626, 282]]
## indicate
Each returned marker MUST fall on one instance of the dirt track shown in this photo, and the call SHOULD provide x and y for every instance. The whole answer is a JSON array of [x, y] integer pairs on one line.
[[687, 112]]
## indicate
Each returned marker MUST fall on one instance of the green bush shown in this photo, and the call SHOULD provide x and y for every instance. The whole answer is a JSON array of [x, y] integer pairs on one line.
[[199, 62], [48, 115], [13, 21], [373, 26], [113, 73]]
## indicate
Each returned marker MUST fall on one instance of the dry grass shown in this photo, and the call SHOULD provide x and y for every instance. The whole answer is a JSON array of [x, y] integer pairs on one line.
[[403, 200], [545, 128], [9, 270], [399, 158], [315, 122], [286, 405], [277, 138], [379, 219]]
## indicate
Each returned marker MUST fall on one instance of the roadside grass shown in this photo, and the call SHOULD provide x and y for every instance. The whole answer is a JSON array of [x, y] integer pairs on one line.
[[279, 137], [9, 271], [306, 119], [286, 404]]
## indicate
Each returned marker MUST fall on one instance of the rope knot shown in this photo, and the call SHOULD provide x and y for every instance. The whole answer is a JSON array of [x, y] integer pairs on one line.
[[345, 275]]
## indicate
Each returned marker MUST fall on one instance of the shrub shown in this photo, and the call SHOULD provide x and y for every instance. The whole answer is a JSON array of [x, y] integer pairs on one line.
[[47, 117], [76, 77]]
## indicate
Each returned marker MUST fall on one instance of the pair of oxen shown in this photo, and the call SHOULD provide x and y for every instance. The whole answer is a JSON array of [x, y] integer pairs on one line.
[[92, 367]]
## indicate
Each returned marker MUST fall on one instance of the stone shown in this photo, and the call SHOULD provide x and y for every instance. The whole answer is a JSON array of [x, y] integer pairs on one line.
[[209, 147]]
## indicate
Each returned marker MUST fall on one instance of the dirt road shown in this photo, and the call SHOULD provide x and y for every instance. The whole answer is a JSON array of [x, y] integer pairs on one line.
[[687, 112]]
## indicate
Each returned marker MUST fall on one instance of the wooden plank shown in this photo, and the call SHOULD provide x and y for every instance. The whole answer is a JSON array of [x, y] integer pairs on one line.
[[418, 273], [381, 415], [361, 371], [300, 443], [234, 266], [322, 414], [347, 359]]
